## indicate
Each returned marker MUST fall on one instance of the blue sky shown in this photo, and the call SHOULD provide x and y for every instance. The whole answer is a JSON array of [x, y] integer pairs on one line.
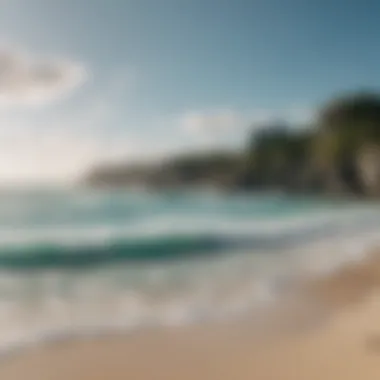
[[144, 78]]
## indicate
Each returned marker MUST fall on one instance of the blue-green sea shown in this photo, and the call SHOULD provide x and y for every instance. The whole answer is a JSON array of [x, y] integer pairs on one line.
[[76, 261]]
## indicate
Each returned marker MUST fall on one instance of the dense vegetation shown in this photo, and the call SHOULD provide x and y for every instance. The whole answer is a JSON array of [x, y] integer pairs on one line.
[[339, 153]]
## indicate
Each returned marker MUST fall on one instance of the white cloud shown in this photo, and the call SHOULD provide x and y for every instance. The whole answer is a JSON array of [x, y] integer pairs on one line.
[[64, 144], [218, 121], [224, 121], [26, 81]]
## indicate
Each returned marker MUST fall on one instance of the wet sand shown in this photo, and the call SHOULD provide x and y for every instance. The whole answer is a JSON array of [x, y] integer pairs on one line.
[[344, 344]]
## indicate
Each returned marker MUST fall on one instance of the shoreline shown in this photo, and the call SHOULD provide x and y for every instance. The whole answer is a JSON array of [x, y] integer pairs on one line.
[[339, 320]]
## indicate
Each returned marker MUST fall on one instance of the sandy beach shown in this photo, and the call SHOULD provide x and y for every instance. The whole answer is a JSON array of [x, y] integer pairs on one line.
[[344, 344]]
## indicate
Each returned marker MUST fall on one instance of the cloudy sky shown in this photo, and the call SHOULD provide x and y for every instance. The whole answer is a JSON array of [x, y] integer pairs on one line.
[[82, 81]]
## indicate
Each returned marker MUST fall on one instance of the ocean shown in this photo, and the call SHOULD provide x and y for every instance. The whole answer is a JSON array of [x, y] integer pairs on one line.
[[79, 261]]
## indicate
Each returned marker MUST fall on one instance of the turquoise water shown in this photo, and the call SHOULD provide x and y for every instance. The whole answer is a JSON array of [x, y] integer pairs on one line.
[[77, 261]]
